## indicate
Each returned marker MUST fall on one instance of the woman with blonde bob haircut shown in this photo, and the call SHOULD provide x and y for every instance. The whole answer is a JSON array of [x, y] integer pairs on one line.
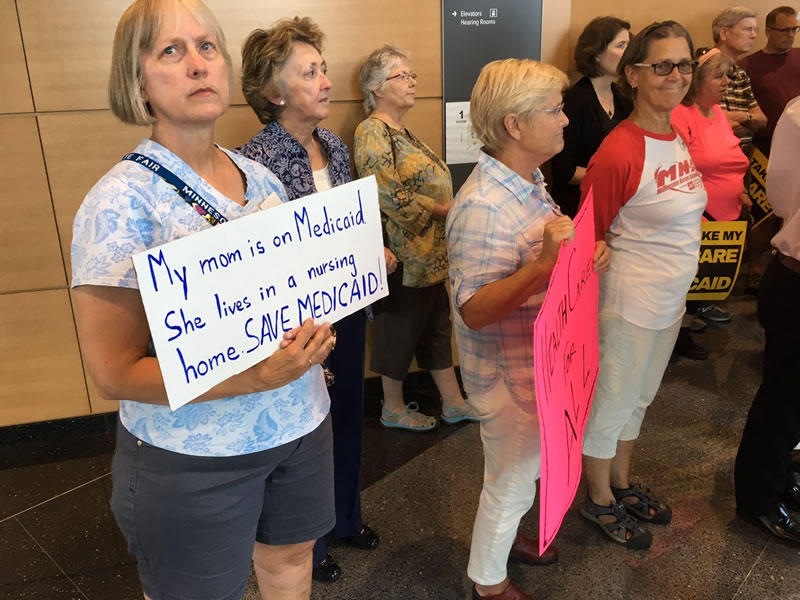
[[139, 28], [242, 476], [503, 234]]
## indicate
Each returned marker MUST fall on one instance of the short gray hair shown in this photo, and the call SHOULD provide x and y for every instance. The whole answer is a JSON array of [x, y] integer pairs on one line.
[[375, 70], [729, 18]]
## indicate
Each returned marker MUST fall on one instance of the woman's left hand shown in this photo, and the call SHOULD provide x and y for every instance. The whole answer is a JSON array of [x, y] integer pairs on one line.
[[391, 260], [602, 257], [746, 201]]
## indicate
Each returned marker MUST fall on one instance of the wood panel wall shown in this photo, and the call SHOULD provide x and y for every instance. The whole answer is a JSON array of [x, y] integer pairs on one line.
[[57, 137]]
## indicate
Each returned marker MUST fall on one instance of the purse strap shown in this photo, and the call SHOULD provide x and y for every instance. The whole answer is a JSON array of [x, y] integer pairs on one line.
[[202, 206]]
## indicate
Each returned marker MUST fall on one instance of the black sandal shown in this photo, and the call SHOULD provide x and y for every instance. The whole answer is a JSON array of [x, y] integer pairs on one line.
[[640, 539], [644, 502]]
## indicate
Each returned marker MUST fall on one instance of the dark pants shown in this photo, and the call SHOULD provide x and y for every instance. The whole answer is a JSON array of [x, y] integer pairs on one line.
[[762, 472], [347, 418]]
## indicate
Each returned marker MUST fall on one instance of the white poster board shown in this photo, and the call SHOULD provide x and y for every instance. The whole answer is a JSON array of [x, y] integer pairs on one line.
[[219, 301]]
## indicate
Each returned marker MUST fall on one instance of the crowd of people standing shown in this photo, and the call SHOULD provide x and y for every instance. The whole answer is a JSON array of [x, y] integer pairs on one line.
[[263, 470]]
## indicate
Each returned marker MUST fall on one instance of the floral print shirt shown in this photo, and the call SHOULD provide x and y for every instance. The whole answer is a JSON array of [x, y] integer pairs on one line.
[[411, 181], [277, 150]]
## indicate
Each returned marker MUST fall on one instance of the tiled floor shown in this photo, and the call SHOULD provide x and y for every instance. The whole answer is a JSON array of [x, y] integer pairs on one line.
[[59, 541]]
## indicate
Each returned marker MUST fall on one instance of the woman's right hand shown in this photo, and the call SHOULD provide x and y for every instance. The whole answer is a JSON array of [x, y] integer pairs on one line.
[[301, 348], [560, 229]]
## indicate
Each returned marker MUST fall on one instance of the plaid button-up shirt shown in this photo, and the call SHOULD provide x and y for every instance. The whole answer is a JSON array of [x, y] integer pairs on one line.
[[495, 227]]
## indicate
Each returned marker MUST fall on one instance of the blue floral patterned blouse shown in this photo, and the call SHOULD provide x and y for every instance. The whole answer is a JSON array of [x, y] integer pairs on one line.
[[277, 150], [132, 209]]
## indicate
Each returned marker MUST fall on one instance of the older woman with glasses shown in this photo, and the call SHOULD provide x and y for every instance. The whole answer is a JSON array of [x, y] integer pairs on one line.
[[503, 234], [284, 79], [415, 192], [649, 199], [203, 493]]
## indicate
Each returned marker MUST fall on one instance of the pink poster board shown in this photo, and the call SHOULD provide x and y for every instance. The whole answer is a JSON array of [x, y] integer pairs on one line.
[[565, 370]]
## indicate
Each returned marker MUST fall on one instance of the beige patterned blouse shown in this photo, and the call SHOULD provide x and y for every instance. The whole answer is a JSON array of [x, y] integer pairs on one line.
[[411, 181]]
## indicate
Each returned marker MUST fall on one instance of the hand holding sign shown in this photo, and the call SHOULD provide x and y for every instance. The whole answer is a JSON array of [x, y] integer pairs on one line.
[[221, 301], [301, 349], [556, 231]]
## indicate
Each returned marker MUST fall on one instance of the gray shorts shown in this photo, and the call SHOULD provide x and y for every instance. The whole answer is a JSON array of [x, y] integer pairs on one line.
[[191, 521], [415, 323]]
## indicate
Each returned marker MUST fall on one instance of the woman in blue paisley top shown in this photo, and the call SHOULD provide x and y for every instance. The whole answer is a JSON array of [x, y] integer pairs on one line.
[[241, 476], [284, 81]]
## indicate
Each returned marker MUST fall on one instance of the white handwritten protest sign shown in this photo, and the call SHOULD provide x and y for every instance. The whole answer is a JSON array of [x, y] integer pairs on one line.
[[220, 301]]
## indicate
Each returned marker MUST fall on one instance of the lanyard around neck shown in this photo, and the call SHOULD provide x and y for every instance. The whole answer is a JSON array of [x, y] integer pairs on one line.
[[204, 208]]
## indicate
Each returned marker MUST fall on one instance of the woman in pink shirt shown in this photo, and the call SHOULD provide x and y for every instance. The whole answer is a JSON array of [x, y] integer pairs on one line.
[[714, 147], [715, 150]]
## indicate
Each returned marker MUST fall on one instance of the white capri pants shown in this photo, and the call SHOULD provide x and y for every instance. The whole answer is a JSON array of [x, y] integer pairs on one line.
[[512, 458], [632, 362]]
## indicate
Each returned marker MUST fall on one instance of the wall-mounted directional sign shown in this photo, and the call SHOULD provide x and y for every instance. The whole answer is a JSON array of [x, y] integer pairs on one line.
[[475, 32]]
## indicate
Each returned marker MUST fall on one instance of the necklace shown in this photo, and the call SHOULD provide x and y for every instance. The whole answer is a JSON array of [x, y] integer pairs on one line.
[[604, 94]]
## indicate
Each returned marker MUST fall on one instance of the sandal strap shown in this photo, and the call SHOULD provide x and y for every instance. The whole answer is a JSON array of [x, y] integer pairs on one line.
[[642, 493], [624, 518], [625, 521]]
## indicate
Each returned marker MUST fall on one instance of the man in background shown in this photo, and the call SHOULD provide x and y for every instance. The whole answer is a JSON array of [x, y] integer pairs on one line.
[[774, 71], [734, 31]]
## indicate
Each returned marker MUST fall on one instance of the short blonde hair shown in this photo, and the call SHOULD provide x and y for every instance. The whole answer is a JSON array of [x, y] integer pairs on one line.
[[136, 34], [375, 70], [264, 54], [509, 86]]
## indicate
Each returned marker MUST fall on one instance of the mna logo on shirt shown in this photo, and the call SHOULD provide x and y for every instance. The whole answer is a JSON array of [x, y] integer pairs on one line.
[[680, 176]]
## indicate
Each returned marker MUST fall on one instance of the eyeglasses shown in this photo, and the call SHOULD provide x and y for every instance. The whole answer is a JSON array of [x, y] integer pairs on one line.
[[665, 67], [551, 111], [791, 30], [403, 76]]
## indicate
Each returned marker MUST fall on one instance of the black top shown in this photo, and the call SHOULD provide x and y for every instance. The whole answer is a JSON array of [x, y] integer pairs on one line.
[[589, 124]]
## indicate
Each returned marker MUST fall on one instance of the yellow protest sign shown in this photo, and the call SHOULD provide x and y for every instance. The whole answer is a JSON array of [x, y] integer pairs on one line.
[[757, 189], [721, 248]]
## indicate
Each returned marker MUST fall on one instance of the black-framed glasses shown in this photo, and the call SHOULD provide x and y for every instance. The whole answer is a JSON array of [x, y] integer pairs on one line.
[[791, 30], [665, 67], [403, 76]]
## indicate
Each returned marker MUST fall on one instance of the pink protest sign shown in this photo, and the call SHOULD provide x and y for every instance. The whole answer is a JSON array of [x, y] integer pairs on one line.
[[565, 370]]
